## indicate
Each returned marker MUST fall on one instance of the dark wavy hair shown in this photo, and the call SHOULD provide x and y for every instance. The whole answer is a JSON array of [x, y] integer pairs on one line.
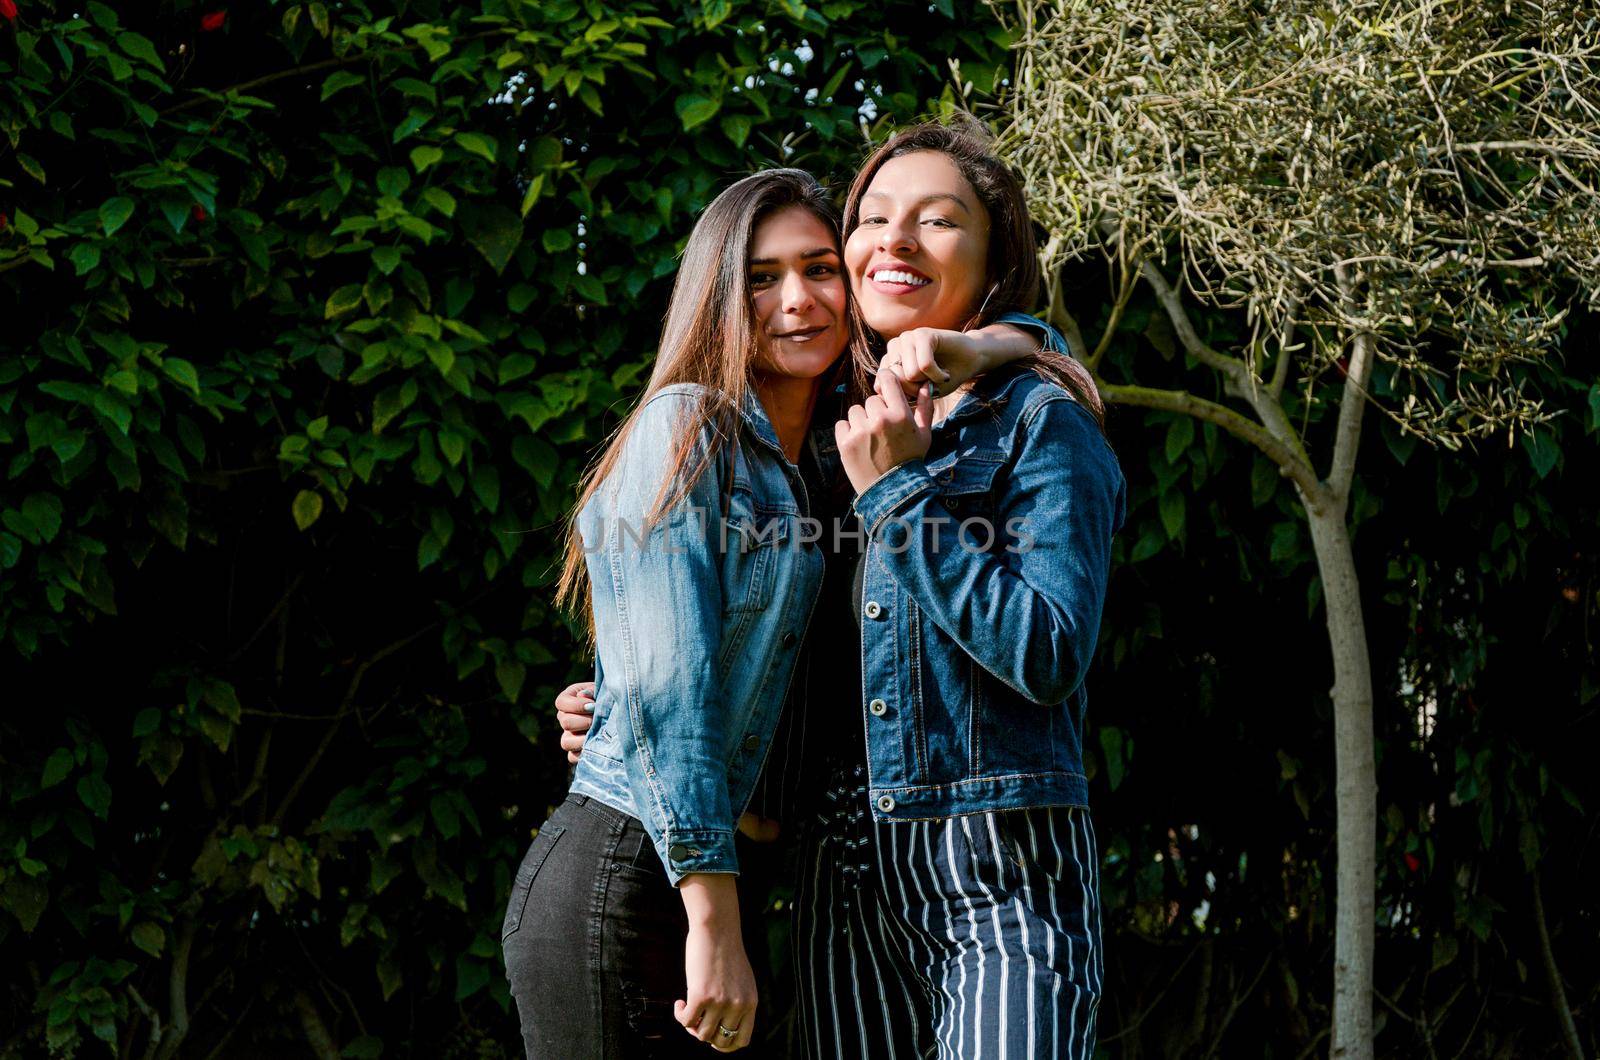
[[1012, 283]]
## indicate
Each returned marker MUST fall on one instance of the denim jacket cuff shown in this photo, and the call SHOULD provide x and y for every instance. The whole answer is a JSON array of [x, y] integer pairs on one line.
[[897, 485], [707, 851]]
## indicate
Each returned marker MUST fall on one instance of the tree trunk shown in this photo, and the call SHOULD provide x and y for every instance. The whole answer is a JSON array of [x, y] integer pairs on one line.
[[1355, 790]]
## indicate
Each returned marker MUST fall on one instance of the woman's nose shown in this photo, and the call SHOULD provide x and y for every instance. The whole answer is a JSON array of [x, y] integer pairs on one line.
[[896, 239], [797, 297]]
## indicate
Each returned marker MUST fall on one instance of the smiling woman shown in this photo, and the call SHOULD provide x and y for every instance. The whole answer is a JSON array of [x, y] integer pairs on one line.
[[799, 297], [694, 645], [917, 256], [956, 870]]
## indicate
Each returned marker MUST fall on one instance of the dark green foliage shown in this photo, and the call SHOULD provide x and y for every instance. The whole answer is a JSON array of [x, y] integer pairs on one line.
[[312, 320]]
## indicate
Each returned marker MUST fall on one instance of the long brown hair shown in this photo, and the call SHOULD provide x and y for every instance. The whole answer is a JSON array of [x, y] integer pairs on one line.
[[1012, 280], [710, 338]]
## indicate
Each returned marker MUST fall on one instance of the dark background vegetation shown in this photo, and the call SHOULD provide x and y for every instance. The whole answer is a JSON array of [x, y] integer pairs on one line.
[[311, 319]]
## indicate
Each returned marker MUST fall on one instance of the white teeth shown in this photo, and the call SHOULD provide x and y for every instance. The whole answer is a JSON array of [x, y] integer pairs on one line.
[[896, 276]]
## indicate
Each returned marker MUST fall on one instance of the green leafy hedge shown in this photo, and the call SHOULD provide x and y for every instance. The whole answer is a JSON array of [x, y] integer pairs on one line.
[[318, 312]]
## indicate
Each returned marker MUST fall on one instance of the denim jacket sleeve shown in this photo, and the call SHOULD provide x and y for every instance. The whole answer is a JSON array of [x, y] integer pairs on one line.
[[667, 604], [1049, 337], [1029, 615]]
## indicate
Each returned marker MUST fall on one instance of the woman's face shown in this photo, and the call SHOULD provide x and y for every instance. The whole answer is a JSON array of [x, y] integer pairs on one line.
[[918, 255], [799, 294]]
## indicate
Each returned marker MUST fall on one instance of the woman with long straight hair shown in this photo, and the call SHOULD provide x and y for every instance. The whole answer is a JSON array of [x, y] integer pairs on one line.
[[694, 547], [954, 873], [623, 927]]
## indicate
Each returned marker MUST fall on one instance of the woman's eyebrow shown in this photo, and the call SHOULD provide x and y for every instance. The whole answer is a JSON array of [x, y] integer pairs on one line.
[[818, 252], [938, 196]]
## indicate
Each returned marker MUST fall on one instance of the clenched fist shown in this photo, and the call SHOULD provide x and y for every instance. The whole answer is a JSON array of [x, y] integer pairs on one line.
[[884, 431]]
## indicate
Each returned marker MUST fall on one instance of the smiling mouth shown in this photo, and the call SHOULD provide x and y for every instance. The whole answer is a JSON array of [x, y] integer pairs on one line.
[[802, 334], [901, 278]]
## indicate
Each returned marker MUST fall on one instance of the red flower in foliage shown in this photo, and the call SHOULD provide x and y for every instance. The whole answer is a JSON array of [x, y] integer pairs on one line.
[[8, 10], [199, 212], [209, 21], [1413, 862]]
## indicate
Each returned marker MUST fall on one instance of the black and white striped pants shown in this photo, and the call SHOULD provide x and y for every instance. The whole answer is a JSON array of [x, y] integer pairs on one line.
[[971, 937]]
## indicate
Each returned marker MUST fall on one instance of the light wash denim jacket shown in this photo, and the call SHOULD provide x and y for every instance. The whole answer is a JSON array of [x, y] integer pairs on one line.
[[697, 626], [974, 648]]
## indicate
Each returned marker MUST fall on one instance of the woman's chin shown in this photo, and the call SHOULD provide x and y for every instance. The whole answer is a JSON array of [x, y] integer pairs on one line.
[[802, 366], [889, 320], [892, 319]]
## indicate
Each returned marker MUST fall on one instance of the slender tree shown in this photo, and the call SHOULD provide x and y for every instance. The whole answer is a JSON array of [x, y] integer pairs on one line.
[[1399, 198]]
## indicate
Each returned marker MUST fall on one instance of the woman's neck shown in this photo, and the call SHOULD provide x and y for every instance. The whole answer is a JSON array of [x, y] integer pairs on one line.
[[789, 403]]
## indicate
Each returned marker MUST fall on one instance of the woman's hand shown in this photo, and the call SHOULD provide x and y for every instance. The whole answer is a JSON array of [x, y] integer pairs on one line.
[[884, 431], [721, 986], [575, 712], [947, 359]]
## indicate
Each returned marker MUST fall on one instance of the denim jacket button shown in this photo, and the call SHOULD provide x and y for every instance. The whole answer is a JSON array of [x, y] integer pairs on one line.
[[878, 707], [886, 803], [872, 609], [678, 852], [752, 743], [789, 639]]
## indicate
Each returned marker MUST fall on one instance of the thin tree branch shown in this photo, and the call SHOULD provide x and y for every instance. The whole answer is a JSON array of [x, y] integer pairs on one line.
[[1233, 1008], [1311, 1046], [1552, 974], [178, 990], [1129, 281], [234, 1023], [1238, 380], [1231, 367], [317, 1034], [259, 772], [155, 1021], [1290, 464], [283, 601], [1145, 1014], [1353, 402], [1063, 321], [346, 705], [1280, 369]]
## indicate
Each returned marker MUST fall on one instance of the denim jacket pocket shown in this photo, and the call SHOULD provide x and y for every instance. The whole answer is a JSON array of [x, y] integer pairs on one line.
[[966, 492], [750, 541]]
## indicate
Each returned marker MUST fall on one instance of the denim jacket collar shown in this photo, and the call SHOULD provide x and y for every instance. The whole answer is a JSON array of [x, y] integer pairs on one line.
[[759, 424], [988, 392]]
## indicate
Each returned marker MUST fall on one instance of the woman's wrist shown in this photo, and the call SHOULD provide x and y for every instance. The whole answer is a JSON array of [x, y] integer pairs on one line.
[[999, 344], [711, 902]]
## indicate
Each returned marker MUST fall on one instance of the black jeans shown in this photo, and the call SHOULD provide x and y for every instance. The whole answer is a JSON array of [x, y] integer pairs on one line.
[[594, 937]]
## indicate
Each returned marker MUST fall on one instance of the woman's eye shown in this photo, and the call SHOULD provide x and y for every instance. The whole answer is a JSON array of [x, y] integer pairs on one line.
[[873, 220], [761, 279], [821, 270], [939, 222]]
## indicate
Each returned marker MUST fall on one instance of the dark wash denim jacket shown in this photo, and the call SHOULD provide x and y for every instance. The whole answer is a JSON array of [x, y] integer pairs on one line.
[[697, 626], [974, 647]]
